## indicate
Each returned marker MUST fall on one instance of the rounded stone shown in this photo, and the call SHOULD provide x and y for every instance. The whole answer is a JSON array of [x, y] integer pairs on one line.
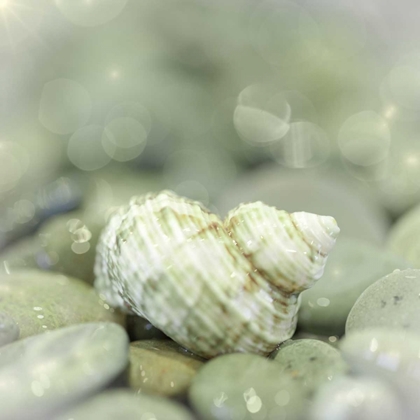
[[40, 301], [357, 398], [162, 367], [41, 375], [353, 265], [404, 237], [310, 362], [245, 386], [392, 356], [124, 404], [9, 330], [69, 240], [391, 302]]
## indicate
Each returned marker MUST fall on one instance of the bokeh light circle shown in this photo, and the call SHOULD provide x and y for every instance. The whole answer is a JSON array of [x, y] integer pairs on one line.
[[364, 138], [260, 116], [124, 139], [305, 145], [65, 106], [90, 12], [85, 149]]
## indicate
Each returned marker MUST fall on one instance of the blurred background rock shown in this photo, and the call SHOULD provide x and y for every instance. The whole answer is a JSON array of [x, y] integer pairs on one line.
[[306, 105]]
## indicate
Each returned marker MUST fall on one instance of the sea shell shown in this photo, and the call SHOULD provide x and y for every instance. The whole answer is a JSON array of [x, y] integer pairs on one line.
[[214, 287]]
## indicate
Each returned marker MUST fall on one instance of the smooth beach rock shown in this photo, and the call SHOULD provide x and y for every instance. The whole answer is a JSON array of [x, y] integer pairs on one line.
[[357, 398], [404, 237], [39, 301], [310, 362], [245, 386], [161, 367], [393, 356], [41, 375], [356, 212], [139, 328], [70, 242], [24, 254], [391, 302], [124, 404], [352, 267], [9, 330]]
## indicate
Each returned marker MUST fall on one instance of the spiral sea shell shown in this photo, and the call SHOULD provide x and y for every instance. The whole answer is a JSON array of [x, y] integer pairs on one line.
[[214, 287]]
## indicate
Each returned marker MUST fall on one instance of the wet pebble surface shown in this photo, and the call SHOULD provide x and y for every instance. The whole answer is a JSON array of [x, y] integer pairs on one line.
[[41, 375], [9, 330]]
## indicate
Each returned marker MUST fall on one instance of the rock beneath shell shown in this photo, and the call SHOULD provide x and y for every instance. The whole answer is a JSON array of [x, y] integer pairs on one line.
[[162, 367], [312, 363], [9, 330], [124, 404], [357, 398], [332, 340], [40, 301], [42, 375], [391, 302], [392, 356], [352, 266], [245, 386]]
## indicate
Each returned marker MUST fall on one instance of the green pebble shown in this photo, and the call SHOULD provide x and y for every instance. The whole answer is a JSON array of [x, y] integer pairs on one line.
[[357, 398], [351, 268], [162, 367], [404, 237], [310, 362], [126, 405], [391, 302], [40, 301], [391, 355], [44, 374], [245, 386], [9, 330]]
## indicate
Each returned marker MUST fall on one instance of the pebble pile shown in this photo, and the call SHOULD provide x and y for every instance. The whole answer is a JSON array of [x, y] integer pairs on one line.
[[66, 352]]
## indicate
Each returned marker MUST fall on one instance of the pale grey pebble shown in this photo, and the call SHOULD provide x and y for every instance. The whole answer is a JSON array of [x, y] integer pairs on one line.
[[352, 267], [391, 302], [391, 355], [127, 405], [246, 387], [44, 374], [9, 330], [357, 398], [312, 363]]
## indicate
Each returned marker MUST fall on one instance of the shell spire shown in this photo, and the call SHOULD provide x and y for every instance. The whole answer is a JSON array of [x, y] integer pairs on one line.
[[214, 287]]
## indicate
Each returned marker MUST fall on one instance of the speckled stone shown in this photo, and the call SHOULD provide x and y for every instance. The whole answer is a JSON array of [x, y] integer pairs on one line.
[[41, 375], [126, 405], [392, 356], [139, 328], [357, 398], [245, 386], [404, 237], [352, 267], [310, 362], [39, 301], [9, 330], [332, 340], [391, 302], [162, 367]]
